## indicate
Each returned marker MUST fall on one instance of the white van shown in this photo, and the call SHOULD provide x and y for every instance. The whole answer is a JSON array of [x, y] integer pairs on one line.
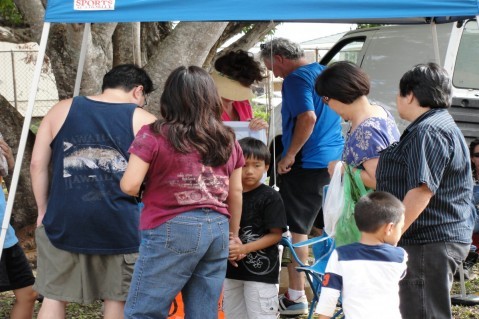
[[387, 52]]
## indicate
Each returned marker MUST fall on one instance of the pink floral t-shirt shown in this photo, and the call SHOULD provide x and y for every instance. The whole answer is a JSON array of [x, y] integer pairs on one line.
[[176, 182]]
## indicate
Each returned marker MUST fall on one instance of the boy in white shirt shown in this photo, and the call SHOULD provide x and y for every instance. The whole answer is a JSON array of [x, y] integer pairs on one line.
[[367, 274]]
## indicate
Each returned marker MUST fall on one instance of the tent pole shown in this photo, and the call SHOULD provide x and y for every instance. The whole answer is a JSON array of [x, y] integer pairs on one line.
[[81, 62], [435, 42], [26, 128], [272, 118]]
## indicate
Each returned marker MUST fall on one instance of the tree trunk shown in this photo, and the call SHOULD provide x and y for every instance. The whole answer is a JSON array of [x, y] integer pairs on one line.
[[152, 33], [63, 49], [16, 35], [64, 52], [99, 59], [232, 29], [126, 43], [188, 44]]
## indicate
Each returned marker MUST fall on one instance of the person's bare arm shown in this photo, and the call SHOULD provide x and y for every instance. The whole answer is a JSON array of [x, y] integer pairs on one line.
[[7, 153], [134, 175], [332, 166], [416, 200], [302, 131], [257, 124], [268, 240], [141, 118], [42, 153], [235, 201], [368, 174], [41, 156]]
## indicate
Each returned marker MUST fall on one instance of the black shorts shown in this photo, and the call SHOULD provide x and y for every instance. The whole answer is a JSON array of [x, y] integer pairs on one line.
[[15, 271], [302, 193]]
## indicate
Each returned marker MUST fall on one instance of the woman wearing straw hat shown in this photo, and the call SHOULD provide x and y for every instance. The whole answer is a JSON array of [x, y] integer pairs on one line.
[[234, 74]]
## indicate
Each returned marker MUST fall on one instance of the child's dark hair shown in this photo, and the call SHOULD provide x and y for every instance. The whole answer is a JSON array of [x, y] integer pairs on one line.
[[254, 148], [376, 209]]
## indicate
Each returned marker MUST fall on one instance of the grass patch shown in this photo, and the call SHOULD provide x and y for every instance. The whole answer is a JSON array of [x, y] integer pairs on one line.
[[94, 311]]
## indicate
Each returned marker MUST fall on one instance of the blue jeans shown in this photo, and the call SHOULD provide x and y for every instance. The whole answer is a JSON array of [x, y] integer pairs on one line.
[[187, 253], [424, 292]]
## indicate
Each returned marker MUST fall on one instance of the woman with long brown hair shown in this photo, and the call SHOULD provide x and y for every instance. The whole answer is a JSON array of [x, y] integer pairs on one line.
[[191, 166]]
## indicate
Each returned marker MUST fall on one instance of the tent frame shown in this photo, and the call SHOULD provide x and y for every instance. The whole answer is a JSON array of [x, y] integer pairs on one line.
[[36, 79]]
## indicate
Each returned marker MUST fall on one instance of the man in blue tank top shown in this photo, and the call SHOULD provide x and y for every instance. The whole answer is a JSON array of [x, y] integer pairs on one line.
[[87, 236], [311, 138]]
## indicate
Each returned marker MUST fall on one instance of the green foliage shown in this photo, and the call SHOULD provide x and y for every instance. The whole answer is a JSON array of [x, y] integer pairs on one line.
[[260, 111], [10, 13], [35, 124]]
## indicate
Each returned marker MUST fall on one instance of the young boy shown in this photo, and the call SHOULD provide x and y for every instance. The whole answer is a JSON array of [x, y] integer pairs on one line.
[[250, 288], [15, 271], [367, 273]]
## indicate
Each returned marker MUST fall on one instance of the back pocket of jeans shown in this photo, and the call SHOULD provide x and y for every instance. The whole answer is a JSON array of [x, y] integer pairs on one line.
[[183, 237]]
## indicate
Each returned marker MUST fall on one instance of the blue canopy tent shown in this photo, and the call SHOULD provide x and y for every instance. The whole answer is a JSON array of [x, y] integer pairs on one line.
[[103, 11], [279, 10]]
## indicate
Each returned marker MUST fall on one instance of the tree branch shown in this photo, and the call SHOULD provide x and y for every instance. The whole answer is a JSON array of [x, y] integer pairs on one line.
[[257, 33], [246, 42]]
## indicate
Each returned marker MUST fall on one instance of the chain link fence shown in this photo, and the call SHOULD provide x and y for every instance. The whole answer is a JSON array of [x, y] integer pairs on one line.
[[17, 64]]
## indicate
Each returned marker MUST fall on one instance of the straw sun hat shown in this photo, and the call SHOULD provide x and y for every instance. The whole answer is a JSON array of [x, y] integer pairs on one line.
[[231, 89]]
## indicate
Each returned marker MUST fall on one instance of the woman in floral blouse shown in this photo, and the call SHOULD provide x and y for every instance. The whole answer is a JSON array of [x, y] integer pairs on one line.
[[344, 87]]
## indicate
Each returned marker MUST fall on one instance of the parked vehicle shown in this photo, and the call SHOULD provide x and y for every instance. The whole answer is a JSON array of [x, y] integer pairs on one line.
[[387, 52]]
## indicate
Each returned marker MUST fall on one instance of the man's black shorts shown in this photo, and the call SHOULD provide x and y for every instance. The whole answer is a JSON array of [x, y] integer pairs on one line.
[[302, 193]]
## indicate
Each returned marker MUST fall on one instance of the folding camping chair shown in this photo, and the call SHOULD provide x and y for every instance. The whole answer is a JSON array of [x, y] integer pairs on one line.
[[322, 247]]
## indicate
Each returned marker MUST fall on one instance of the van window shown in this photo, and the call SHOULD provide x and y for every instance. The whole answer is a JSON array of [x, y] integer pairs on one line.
[[466, 70], [349, 52]]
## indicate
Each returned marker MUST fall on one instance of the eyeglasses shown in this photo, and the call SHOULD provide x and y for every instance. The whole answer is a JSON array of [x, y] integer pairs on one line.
[[475, 154], [326, 99], [146, 96]]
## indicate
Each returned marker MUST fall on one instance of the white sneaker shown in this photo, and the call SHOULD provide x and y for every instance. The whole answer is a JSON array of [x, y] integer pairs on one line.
[[293, 307]]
